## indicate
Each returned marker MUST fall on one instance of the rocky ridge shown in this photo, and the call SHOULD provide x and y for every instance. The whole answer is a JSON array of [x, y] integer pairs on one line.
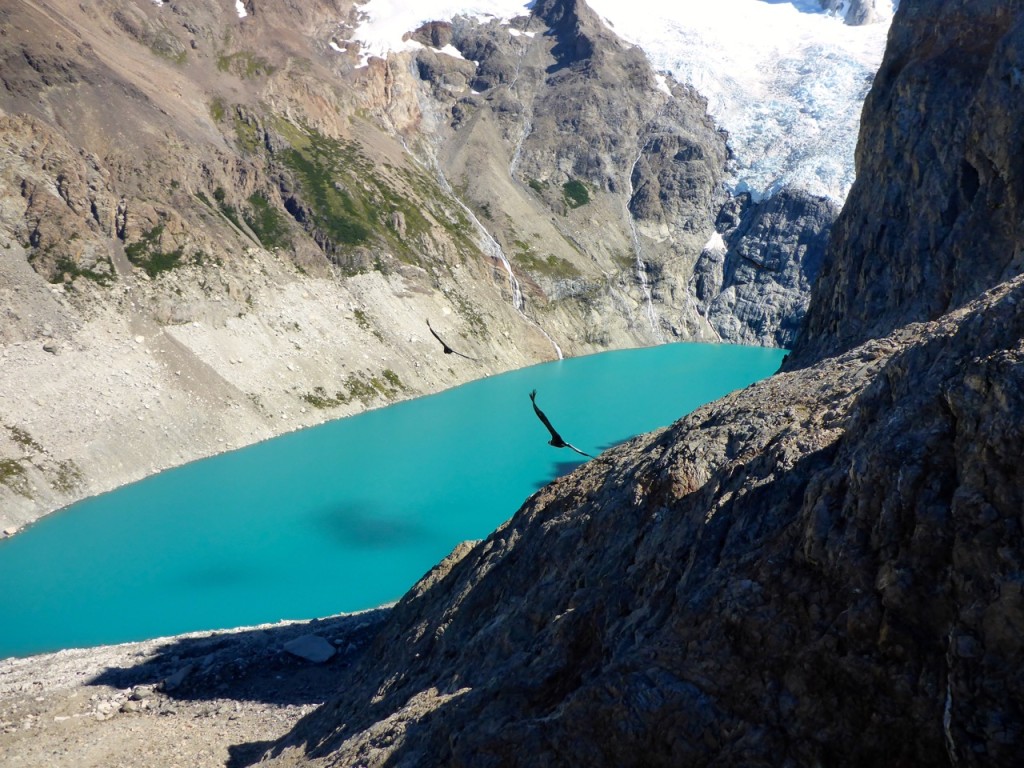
[[753, 585], [215, 229], [821, 569]]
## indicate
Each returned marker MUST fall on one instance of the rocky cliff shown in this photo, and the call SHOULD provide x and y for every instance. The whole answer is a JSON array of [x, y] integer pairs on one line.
[[772, 248], [823, 569], [945, 114], [217, 227]]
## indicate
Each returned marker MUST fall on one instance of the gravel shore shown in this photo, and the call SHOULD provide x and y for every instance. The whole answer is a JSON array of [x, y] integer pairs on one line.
[[195, 700]]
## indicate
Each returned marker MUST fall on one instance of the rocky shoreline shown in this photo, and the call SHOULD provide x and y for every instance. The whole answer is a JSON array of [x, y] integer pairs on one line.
[[194, 700]]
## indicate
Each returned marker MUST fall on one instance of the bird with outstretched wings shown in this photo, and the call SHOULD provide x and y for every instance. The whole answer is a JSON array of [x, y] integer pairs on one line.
[[444, 345], [556, 439]]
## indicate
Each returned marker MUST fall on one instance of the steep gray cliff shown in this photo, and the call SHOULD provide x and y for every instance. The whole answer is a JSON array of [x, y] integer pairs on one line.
[[763, 583], [935, 214], [753, 282], [823, 569]]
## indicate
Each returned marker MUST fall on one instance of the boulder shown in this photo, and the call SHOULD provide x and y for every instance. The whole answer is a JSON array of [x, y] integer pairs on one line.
[[311, 648]]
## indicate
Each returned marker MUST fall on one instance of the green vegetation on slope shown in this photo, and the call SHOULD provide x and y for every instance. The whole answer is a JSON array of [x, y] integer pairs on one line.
[[358, 387], [245, 64], [355, 202], [575, 193], [269, 224], [144, 253]]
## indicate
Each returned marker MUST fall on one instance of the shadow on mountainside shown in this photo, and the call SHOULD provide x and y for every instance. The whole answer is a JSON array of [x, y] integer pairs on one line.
[[251, 664]]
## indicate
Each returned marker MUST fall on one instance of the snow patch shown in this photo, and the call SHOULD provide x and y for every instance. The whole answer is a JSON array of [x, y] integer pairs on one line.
[[337, 47], [715, 243], [450, 50], [240, 9], [662, 83], [385, 22]]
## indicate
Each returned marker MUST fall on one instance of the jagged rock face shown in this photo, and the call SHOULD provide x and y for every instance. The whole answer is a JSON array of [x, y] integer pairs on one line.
[[758, 584], [753, 284], [822, 569], [579, 163], [945, 113]]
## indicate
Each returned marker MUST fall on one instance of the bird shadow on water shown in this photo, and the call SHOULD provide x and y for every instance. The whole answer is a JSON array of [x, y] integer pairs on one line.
[[563, 468], [558, 469]]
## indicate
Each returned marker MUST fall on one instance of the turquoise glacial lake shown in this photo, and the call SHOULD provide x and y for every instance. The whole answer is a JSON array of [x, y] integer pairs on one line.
[[340, 517]]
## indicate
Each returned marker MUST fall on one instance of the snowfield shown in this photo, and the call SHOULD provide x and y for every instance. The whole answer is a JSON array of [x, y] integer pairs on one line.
[[785, 79]]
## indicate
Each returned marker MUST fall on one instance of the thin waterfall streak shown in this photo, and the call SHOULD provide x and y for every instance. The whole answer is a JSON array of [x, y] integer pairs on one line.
[[694, 305], [558, 349], [517, 153], [714, 330], [515, 75], [641, 267], [707, 320], [490, 246], [947, 724]]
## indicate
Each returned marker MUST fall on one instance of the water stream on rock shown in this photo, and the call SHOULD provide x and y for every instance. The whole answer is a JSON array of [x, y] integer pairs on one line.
[[339, 517], [641, 267]]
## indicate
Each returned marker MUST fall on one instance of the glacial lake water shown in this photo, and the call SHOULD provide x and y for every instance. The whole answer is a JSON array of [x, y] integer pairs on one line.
[[339, 517]]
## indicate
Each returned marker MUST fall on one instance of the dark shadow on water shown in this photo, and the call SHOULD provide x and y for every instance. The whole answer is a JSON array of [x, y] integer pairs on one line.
[[249, 664], [614, 444], [363, 526], [558, 469], [220, 575], [562, 468]]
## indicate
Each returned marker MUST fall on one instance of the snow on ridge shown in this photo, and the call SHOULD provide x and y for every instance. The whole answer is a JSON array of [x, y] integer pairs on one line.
[[786, 80], [240, 9], [386, 22]]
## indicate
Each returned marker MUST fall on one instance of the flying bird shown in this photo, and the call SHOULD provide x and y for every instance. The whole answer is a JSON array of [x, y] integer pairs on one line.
[[556, 439], [448, 350]]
